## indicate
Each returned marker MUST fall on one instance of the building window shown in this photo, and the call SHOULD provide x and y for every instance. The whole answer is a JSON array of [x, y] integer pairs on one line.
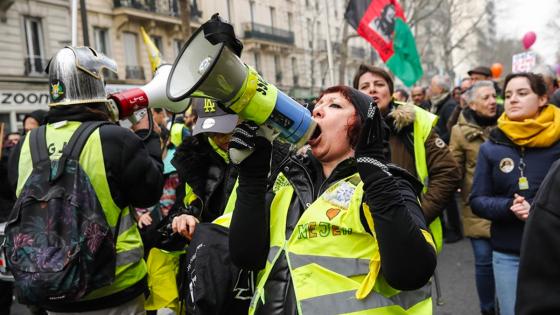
[[258, 62], [272, 16], [34, 62], [295, 72], [101, 42], [101, 38], [252, 11], [133, 69], [290, 21], [158, 42], [278, 69], [309, 33], [177, 45]]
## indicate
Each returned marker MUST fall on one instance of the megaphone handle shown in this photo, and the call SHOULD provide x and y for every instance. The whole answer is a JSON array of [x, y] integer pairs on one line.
[[237, 156]]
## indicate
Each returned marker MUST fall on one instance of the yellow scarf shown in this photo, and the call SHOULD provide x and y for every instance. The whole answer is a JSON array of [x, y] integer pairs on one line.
[[541, 132]]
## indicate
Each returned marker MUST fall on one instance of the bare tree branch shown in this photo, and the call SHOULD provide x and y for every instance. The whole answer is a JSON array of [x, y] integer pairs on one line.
[[413, 20], [467, 33]]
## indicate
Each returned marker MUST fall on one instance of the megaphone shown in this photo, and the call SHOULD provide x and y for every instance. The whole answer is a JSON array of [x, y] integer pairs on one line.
[[207, 67], [151, 95]]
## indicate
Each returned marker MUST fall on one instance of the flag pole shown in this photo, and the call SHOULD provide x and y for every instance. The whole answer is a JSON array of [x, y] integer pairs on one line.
[[74, 13], [329, 46]]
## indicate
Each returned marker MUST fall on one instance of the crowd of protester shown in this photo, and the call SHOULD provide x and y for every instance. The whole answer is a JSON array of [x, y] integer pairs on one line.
[[353, 221]]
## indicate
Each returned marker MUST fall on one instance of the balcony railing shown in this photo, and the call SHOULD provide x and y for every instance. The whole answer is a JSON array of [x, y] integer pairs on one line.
[[35, 66], [165, 7], [268, 33], [135, 73]]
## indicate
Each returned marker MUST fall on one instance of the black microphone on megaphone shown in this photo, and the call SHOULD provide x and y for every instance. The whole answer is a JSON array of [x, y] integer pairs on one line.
[[151, 95], [209, 66]]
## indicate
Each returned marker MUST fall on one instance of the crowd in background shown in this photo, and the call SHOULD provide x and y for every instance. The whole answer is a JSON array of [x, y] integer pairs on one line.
[[470, 161]]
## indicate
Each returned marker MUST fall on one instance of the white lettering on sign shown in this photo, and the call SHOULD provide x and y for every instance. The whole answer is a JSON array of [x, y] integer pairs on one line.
[[24, 98]]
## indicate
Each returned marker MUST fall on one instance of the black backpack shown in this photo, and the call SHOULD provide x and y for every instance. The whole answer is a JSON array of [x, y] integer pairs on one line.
[[58, 244], [210, 283]]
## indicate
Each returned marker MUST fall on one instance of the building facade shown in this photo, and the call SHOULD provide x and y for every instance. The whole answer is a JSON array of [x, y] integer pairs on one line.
[[285, 40]]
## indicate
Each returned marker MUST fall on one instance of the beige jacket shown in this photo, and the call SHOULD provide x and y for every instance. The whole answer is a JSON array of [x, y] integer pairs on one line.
[[466, 138]]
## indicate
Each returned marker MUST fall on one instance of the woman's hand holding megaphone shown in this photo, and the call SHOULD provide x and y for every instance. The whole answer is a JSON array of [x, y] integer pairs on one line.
[[250, 146]]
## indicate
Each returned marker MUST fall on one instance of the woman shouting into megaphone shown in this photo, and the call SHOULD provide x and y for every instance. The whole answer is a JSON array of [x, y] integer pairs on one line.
[[337, 230]]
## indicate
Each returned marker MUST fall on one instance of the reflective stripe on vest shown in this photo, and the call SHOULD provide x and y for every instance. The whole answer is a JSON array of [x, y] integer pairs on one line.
[[130, 266], [424, 122], [329, 254], [344, 302]]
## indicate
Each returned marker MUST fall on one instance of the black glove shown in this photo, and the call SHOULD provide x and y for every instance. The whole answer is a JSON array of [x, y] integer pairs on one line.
[[218, 31], [246, 140], [372, 147]]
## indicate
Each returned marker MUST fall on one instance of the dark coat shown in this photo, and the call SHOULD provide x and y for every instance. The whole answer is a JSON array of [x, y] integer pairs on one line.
[[444, 109], [538, 288], [495, 184], [134, 172], [443, 172], [207, 173], [134, 168]]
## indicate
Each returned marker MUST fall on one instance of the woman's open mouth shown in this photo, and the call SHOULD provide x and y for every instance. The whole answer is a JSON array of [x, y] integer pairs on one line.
[[315, 136]]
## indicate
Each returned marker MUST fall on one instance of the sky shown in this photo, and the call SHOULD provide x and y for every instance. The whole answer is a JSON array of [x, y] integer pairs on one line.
[[514, 18]]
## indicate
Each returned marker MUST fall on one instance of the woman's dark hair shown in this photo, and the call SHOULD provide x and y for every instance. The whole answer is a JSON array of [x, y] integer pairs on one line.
[[374, 70], [355, 129], [536, 82]]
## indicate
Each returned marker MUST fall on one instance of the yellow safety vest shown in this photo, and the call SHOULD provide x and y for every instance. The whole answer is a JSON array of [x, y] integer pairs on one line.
[[334, 262], [424, 122], [130, 267], [176, 134]]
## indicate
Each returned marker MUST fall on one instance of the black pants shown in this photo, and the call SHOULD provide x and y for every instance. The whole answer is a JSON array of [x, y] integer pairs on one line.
[[452, 226], [6, 289]]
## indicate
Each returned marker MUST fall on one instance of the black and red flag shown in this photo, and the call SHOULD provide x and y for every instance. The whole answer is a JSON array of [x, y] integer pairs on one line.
[[383, 25]]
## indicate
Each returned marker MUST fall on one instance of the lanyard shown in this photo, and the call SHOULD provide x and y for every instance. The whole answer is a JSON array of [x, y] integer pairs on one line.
[[522, 182]]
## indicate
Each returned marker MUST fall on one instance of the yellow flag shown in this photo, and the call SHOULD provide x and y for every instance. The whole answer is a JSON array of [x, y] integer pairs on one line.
[[153, 51]]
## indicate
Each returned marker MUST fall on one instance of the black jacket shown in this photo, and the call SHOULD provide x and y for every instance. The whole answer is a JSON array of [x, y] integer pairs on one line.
[[249, 230], [134, 168], [206, 172], [135, 175], [538, 284], [444, 109]]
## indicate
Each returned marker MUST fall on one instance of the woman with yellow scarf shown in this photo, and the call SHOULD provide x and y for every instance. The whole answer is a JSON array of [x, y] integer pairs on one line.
[[510, 168]]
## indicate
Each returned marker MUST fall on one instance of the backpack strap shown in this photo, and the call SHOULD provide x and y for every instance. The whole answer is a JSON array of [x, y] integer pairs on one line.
[[73, 149], [38, 145]]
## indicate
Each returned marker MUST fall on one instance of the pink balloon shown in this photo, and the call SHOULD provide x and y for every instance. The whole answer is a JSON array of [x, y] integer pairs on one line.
[[557, 68], [529, 39]]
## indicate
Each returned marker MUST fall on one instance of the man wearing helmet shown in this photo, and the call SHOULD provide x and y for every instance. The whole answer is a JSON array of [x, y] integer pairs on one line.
[[124, 167]]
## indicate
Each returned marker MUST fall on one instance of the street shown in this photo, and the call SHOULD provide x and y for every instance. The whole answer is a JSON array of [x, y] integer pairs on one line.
[[456, 273]]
